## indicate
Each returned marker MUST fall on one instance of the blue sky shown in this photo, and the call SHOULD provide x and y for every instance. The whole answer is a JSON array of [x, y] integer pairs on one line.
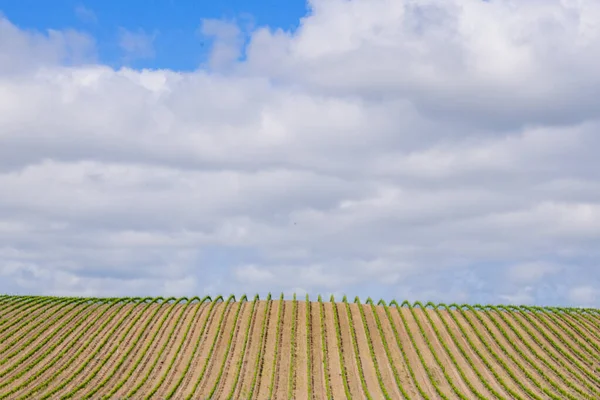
[[173, 24], [441, 150]]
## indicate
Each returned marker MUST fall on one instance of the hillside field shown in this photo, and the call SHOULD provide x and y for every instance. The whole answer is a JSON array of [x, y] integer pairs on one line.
[[251, 348]]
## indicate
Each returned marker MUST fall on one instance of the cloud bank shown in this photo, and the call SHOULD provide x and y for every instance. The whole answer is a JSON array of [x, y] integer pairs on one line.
[[432, 150]]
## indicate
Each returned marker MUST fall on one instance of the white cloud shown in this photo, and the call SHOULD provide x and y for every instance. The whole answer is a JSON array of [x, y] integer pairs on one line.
[[136, 44], [584, 295], [438, 150]]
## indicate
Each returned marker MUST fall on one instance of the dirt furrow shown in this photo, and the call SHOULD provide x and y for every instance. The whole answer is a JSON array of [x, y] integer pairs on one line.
[[231, 323], [302, 349], [225, 385], [531, 351], [333, 354], [38, 332], [62, 354], [570, 336], [317, 352], [161, 365], [186, 352], [396, 351], [33, 349], [348, 353], [440, 353], [364, 354], [579, 374], [282, 369], [419, 368], [383, 361], [478, 364], [262, 385], [252, 350], [515, 384], [13, 322], [197, 362], [148, 348]]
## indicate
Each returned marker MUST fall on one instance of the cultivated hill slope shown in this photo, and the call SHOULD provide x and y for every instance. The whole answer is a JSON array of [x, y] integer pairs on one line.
[[260, 349]]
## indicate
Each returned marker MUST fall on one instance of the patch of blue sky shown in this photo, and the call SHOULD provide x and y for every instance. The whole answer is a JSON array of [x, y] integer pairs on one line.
[[172, 26]]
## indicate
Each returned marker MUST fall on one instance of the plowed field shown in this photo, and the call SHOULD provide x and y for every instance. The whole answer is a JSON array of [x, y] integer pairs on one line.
[[135, 348]]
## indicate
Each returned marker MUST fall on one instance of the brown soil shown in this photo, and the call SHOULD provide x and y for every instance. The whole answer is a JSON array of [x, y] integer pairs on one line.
[[519, 353]]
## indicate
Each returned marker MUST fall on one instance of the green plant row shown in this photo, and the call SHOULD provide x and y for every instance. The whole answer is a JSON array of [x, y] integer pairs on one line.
[[232, 334], [432, 380], [549, 350], [340, 346], [371, 348], [129, 345], [450, 355], [293, 350], [205, 326], [577, 326], [572, 360], [126, 375], [225, 312], [82, 365], [258, 366], [151, 370], [439, 363], [354, 339], [309, 347], [542, 318], [40, 329], [326, 371], [407, 364], [247, 337], [16, 310], [525, 371], [386, 347], [532, 364], [508, 369], [41, 345], [275, 365], [37, 375], [178, 352], [465, 355]]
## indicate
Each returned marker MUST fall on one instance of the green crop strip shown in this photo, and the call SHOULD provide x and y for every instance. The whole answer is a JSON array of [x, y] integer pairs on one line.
[[274, 366], [543, 316], [128, 375], [371, 347], [258, 367], [439, 363], [449, 353], [338, 334], [212, 347], [464, 353], [107, 337], [40, 329], [411, 372], [292, 364], [42, 344], [309, 346], [228, 348], [361, 372], [495, 356], [60, 356], [153, 391], [326, 371], [553, 344], [386, 347], [529, 361], [205, 325], [28, 307], [411, 337], [512, 358], [239, 364]]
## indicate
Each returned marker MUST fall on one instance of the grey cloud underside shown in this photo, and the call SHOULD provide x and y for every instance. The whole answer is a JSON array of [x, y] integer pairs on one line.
[[431, 150]]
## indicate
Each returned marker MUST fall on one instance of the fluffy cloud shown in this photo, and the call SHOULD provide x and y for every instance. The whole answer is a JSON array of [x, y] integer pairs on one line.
[[440, 150]]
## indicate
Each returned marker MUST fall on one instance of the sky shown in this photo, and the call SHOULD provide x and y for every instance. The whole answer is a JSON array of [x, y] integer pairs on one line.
[[433, 150]]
